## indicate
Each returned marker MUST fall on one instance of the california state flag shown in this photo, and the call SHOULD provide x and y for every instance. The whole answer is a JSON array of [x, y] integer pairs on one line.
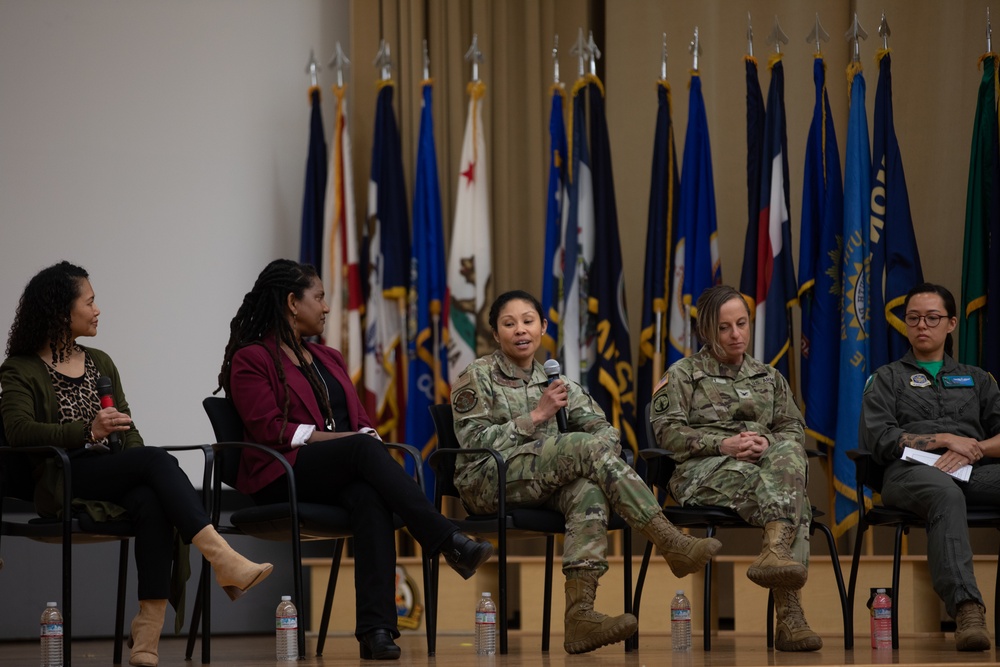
[[469, 262], [340, 240]]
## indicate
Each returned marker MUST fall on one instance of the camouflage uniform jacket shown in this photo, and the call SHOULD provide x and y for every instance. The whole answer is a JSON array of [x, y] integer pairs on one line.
[[899, 398], [701, 401], [492, 402]]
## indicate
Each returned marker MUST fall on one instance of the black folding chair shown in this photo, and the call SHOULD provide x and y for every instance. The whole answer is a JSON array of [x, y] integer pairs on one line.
[[868, 475], [505, 524]]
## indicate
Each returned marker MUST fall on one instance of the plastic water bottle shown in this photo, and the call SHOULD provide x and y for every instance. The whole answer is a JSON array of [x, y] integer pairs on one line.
[[52, 636], [680, 622], [881, 621], [286, 630], [486, 626]]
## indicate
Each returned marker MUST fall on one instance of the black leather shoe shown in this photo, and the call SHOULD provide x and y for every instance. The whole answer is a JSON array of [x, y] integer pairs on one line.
[[465, 555], [378, 645]]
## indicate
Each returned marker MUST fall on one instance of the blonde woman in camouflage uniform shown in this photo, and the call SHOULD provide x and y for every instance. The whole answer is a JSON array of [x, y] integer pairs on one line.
[[504, 402], [731, 424]]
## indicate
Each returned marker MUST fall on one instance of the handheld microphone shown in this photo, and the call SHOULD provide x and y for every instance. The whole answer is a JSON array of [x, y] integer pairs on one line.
[[552, 370], [108, 401]]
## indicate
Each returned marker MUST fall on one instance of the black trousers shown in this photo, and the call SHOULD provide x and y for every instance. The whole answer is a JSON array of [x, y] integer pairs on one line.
[[357, 473], [150, 485]]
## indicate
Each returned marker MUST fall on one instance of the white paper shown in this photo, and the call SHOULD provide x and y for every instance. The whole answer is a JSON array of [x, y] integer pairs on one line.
[[929, 458]]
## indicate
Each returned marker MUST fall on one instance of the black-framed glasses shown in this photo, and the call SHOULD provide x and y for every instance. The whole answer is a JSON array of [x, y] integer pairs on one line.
[[931, 320]]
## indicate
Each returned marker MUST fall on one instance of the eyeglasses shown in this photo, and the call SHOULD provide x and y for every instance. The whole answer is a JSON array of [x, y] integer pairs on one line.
[[931, 320]]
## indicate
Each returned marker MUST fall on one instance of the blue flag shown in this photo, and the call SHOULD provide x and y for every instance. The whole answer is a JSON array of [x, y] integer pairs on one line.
[[819, 268], [610, 379], [311, 242], [552, 269], [854, 357], [895, 259], [387, 232], [702, 268], [661, 227], [755, 150], [428, 340]]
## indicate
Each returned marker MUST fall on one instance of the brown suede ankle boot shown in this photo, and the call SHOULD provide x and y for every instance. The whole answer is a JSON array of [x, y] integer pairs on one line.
[[970, 631], [144, 639], [684, 554], [234, 573], [587, 629], [775, 567], [792, 632]]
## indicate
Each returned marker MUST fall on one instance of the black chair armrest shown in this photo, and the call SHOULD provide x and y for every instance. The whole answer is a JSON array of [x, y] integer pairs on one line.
[[412, 453], [60, 454], [651, 453], [206, 476], [501, 465]]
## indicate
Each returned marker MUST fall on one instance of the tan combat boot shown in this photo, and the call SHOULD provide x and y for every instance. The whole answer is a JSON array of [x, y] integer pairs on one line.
[[792, 632], [970, 631], [234, 573], [684, 554], [587, 629], [144, 639], [775, 567]]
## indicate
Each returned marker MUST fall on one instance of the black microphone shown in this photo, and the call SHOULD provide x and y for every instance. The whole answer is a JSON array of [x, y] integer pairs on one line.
[[108, 401], [552, 369]]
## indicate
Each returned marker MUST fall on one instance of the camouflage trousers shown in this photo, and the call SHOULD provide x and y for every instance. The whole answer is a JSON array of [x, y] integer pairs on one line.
[[772, 489], [579, 476]]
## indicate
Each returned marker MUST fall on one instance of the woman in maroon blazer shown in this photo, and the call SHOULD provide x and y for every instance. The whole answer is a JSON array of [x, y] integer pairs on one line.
[[297, 397]]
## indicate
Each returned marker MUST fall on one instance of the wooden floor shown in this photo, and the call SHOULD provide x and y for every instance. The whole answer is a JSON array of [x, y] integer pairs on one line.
[[728, 650]]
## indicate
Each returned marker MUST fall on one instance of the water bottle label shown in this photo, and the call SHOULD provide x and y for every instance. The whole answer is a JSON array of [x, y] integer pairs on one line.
[[52, 630], [488, 617], [680, 614], [286, 623], [883, 613]]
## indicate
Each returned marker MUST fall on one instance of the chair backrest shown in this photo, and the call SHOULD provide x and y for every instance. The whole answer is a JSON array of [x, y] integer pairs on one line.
[[444, 466], [659, 470], [16, 478], [228, 427]]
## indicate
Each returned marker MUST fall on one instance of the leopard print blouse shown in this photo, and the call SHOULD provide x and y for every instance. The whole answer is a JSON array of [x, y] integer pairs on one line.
[[78, 397]]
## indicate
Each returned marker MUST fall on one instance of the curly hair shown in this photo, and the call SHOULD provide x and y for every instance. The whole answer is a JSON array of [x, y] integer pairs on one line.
[[262, 314], [43, 312]]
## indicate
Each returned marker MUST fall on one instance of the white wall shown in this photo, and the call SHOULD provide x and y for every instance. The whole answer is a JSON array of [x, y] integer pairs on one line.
[[162, 146]]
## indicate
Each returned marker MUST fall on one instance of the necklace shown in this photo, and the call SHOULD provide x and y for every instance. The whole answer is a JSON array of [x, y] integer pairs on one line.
[[330, 423]]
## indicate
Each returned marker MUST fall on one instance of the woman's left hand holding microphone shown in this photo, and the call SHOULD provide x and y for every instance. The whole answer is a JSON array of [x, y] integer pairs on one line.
[[108, 421]]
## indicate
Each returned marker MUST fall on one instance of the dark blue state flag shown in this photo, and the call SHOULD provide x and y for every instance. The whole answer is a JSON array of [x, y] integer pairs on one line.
[[895, 260], [610, 379], [388, 242], [552, 269], [428, 329], [311, 241], [755, 149], [819, 268], [854, 354], [661, 227], [702, 268]]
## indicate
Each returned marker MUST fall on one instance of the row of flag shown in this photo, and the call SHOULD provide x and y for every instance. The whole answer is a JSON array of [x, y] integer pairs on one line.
[[857, 256], [404, 320]]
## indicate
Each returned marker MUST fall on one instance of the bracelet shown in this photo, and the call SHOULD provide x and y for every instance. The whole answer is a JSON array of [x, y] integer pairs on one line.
[[88, 433]]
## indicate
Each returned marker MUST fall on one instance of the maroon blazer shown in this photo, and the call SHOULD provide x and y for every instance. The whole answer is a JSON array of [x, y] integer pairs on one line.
[[259, 397]]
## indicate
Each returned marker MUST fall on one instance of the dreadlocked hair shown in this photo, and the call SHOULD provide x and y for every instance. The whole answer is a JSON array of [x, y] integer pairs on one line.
[[43, 313], [263, 314]]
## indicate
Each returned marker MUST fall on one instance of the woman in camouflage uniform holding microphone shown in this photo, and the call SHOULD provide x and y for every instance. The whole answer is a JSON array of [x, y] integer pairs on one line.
[[504, 402], [731, 424]]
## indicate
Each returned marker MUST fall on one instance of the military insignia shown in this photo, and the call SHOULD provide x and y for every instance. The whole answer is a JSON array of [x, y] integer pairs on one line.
[[957, 381], [408, 607], [919, 380], [662, 383], [464, 400], [869, 383], [661, 403], [743, 393]]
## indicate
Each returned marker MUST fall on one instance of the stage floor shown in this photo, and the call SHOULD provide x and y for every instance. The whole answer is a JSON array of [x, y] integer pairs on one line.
[[728, 650]]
